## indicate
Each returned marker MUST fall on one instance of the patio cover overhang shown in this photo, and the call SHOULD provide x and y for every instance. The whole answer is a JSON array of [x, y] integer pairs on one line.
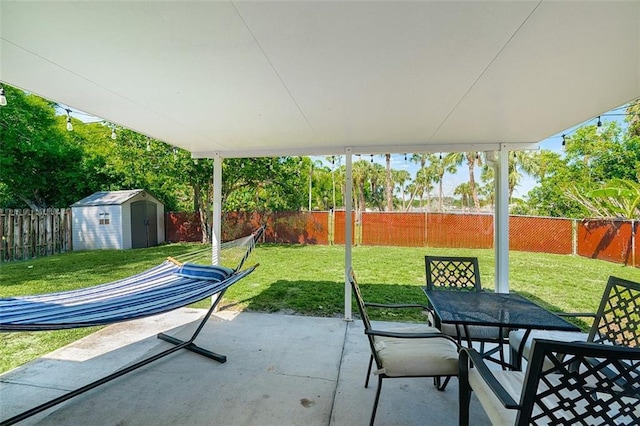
[[244, 79]]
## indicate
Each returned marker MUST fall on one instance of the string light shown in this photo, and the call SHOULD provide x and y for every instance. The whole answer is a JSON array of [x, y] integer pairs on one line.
[[148, 145], [599, 129], [441, 156], [371, 158], [564, 139], [3, 98], [405, 156], [113, 132], [69, 125]]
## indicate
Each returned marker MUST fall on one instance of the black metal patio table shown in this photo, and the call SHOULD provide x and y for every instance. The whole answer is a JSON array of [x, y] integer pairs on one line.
[[505, 310]]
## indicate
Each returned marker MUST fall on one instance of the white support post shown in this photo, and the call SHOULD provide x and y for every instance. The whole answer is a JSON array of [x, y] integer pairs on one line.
[[348, 230], [216, 222], [216, 225], [501, 220]]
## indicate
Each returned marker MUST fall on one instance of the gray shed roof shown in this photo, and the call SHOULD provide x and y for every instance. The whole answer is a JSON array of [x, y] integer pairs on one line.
[[108, 198]]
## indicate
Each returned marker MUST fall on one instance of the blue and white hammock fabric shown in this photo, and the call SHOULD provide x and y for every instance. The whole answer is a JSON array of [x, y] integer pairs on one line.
[[157, 290], [160, 289]]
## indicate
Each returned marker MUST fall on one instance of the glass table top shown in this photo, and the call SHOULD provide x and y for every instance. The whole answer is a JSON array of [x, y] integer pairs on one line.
[[507, 310]]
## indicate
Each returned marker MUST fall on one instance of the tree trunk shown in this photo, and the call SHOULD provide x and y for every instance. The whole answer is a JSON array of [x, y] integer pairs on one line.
[[440, 195], [389, 184], [202, 213], [472, 183]]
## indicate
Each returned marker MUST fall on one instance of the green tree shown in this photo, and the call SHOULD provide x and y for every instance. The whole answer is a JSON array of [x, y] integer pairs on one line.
[[389, 183], [618, 198], [265, 184], [40, 166], [466, 195], [590, 161], [400, 178], [442, 165], [471, 159], [520, 162]]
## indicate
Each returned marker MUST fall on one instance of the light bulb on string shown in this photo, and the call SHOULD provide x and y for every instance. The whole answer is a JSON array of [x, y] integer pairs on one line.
[[405, 156], [113, 133], [599, 128], [148, 145], [69, 125], [3, 98], [175, 153], [371, 158], [564, 139]]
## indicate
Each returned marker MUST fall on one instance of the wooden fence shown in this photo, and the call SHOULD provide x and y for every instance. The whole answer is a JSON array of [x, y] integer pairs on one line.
[[26, 234]]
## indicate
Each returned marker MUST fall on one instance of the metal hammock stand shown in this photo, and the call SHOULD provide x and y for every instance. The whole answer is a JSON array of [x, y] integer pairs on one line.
[[163, 288]]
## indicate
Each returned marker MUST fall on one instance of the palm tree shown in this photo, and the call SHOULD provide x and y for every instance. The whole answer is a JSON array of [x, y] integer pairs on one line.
[[472, 159], [424, 182], [464, 190], [400, 178], [389, 184], [526, 162], [376, 174], [442, 165], [422, 160], [360, 175]]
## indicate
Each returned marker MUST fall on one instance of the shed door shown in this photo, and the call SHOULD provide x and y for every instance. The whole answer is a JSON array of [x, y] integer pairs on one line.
[[144, 224]]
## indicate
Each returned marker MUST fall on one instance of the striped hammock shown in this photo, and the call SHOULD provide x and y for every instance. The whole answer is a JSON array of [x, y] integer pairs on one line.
[[160, 289]]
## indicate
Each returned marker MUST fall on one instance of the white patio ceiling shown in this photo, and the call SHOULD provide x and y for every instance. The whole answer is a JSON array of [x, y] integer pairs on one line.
[[277, 78]]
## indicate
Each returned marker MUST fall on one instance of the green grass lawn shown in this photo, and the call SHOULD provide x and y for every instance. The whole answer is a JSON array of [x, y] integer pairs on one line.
[[306, 280]]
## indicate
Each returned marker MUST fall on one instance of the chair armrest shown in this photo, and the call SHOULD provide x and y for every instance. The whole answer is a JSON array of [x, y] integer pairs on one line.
[[576, 314], [468, 354], [401, 335], [402, 305]]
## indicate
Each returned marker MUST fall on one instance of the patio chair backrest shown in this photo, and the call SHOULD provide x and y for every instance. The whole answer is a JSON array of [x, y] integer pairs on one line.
[[585, 382], [363, 313], [452, 273], [618, 318]]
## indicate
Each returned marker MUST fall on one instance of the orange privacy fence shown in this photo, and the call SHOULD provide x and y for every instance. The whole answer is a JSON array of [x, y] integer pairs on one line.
[[612, 240]]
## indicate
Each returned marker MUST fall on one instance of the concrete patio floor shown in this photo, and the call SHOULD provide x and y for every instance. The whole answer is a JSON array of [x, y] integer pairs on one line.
[[280, 370]]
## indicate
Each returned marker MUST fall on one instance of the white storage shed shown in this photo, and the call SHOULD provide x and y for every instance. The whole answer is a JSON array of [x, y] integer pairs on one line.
[[117, 220]]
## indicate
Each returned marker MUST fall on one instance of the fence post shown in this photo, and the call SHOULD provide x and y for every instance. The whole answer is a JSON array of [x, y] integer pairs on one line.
[[426, 229], [330, 227], [574, 237], [633, 243]]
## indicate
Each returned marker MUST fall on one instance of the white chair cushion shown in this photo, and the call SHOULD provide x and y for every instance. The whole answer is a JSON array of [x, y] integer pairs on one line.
[[404, 328], [512, 382], [515, 337], [417, 357]]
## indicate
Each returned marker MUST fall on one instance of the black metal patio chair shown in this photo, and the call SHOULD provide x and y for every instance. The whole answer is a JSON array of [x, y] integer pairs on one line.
[[409, 351], [575, 383], [457, 273]]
